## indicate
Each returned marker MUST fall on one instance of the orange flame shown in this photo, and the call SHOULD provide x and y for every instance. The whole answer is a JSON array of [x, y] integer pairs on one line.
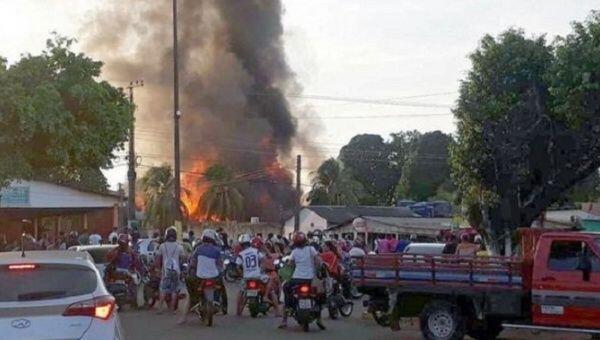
[[194, 187]]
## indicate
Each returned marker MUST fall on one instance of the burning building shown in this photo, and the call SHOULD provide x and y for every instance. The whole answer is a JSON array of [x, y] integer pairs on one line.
[[233, 80]]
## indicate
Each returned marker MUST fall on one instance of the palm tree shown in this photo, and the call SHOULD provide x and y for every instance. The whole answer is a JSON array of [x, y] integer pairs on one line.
[[332, 185], [222, 200], [159, 200]]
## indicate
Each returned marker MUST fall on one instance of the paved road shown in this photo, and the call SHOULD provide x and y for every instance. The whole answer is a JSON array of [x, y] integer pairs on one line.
[[148, 325]]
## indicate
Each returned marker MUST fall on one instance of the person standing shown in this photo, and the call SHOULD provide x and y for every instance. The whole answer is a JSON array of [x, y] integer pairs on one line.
[[95, 239], [170, 255], [113, 235]]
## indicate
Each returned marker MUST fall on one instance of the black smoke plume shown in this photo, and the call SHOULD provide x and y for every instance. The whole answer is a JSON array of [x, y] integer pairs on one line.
[[233, 80]]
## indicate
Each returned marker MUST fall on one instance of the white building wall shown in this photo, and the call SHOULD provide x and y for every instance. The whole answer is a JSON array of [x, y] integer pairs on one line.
[[34, 194], [309, 221]]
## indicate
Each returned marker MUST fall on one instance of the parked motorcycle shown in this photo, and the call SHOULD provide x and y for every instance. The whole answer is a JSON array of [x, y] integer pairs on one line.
[[210, 301], [337, 304], [255, 297]]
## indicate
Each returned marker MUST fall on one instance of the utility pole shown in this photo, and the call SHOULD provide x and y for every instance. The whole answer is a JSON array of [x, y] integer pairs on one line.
[[131, 174], [299, 193], [176, 116]]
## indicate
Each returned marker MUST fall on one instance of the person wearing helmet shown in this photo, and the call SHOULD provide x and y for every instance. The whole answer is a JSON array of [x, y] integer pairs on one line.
[[204, 264], [248, 260], [305, 259], [169, 256], [122, 257], [121, 261]]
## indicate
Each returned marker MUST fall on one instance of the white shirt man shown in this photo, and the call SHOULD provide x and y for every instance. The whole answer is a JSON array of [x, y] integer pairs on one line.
[[95, 239], [250, 259]]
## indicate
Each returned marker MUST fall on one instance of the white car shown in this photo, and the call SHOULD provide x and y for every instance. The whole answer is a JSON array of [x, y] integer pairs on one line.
[[98, 253], [54, 295]]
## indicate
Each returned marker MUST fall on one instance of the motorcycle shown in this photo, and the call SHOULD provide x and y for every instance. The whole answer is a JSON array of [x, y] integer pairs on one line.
[[255, 293], [336, 302], [122, 285], [230, 269], [151, 291], [307, 308], [210, 301]]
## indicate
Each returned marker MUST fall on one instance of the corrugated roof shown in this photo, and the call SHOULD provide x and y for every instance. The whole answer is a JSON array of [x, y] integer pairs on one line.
[[341, 214]]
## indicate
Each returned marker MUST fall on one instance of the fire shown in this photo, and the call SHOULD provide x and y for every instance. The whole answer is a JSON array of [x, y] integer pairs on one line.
[[193, 188]]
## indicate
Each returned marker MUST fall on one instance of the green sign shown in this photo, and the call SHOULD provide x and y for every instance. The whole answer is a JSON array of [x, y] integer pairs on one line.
[[15, 195]]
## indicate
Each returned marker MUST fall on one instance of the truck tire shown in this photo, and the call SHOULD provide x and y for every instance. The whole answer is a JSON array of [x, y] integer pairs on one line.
[[442, 320]]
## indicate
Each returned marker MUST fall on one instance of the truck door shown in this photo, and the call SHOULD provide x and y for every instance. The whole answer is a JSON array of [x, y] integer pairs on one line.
[[564, 294]]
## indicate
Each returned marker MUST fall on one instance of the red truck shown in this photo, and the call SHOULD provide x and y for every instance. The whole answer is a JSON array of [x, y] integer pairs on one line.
[[554, 285]]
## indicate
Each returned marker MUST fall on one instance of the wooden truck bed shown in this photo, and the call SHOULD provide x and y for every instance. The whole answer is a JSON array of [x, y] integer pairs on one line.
[[437, 271]]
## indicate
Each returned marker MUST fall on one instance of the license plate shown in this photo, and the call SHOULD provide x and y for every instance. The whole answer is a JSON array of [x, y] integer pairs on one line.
[[252, 293], [305, 304], [553, 310]]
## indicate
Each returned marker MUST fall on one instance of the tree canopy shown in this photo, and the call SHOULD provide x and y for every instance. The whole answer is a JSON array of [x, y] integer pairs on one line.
[[368, 159], [528, 122], [332, 185], [157, 186], [223, 199], [426, 166], [58, 121]]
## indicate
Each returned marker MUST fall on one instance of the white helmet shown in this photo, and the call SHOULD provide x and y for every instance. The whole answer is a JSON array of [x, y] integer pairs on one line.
[[209, 233], [245, 238]]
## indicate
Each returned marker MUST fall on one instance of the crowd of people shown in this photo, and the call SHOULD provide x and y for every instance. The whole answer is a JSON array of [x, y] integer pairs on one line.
[[255, 255]]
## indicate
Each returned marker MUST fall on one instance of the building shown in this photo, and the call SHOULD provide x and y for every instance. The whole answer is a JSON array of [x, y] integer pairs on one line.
[[366, 221], [40, 207]]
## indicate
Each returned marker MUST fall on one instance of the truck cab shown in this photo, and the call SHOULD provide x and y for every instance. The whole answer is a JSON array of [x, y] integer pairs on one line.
[[565, 285]]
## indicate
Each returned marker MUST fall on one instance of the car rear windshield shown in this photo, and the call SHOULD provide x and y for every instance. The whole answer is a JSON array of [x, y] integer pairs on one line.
[[45, 282], [99, 254]]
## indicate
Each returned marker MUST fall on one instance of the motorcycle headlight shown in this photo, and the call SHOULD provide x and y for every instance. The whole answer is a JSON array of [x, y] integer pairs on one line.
[[226, 262], [277, 262]]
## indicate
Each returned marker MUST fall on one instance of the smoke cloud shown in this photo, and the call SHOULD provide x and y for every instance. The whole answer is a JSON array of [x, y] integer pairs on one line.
[[233, 80]]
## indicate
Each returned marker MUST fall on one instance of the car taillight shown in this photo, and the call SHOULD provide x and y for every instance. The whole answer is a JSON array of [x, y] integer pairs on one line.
[[304, 289], [100, 307], [252, 285], [24, 266]]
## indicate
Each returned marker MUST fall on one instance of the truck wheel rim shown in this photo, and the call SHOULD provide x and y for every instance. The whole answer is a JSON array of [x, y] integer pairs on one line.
[[441, 324]]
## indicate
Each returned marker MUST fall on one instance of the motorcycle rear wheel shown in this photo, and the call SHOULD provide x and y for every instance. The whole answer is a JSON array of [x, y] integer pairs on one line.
[[346, 309]]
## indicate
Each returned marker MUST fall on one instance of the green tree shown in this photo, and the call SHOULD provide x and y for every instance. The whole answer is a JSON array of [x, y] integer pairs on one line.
[[426, 167], [58, 121], [331, 185], [157, 186], [528, 123], [223, 200], [369, 160]]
